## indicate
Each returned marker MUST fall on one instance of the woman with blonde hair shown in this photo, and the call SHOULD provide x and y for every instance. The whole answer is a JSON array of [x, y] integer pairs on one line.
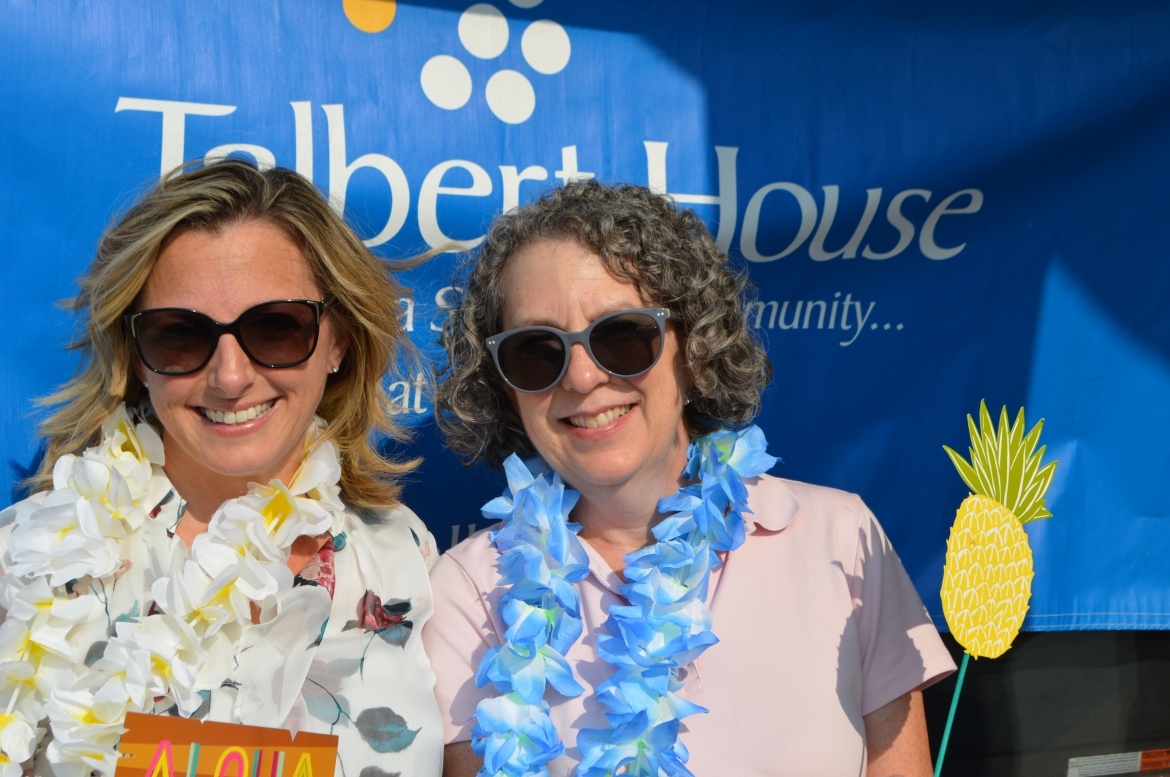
[[216, 534]]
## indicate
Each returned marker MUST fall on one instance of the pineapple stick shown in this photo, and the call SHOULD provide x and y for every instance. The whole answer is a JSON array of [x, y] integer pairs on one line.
[[942, 747], [987, 578]]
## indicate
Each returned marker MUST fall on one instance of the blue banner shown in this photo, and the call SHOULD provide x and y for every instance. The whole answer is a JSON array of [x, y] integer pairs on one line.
[[939, 204]]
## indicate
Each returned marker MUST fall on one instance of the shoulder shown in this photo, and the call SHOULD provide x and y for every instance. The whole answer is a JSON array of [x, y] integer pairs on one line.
[[776, 503], [474, 561], [392, 526]]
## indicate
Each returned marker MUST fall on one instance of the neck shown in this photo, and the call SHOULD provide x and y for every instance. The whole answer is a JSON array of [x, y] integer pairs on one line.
[[618, 519], [204, 490]]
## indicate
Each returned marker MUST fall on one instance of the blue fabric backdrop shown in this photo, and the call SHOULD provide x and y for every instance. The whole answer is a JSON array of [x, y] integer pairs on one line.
[[940, 203]]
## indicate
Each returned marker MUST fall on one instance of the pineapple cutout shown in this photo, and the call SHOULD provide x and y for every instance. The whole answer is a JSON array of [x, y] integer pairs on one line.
[[987, 580]]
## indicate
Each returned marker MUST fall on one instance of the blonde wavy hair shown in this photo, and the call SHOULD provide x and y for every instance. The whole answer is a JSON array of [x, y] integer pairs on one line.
[[358, 287]]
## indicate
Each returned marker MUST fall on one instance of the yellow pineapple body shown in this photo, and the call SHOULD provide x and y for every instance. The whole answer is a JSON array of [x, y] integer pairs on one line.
[[987, 580]]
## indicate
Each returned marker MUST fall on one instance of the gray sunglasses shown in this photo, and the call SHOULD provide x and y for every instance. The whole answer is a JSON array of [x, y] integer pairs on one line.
[[624, 344]]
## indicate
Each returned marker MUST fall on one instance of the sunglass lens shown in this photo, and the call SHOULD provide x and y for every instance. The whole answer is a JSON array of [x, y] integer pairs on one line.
[[280, 334], [174, 341], [626, 345], [532, 360]]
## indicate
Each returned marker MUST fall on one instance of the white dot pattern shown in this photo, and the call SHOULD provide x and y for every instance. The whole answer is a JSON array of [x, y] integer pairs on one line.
[[446, 82], [484, 33], [546, 47], [511, 97]]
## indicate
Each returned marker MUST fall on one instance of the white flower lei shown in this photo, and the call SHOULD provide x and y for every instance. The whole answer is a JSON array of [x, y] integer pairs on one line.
[[68, 546]]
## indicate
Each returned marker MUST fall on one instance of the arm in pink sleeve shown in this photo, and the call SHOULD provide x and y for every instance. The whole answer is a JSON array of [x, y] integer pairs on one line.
[[456, 638], [900, 647]]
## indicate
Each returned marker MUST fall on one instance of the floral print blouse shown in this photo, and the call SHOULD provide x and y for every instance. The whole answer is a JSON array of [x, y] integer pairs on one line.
[[345, 657]]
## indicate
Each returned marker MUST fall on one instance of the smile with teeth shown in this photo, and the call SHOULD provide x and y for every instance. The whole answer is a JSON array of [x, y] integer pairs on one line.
[[238, 416], [599, 420]]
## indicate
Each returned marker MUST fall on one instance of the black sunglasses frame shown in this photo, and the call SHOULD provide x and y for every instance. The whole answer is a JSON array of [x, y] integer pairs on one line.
[[131, 321], [658, 315]]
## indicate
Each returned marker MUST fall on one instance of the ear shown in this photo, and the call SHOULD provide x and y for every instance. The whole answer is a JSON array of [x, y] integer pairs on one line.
[[337, 348], [682, 371], [140, 372]]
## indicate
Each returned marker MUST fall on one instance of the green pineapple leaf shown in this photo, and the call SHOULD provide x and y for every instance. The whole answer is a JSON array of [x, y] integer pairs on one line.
[[1003, 466], [1017, 459], [1003, 456], [989, 463], [969, 476]]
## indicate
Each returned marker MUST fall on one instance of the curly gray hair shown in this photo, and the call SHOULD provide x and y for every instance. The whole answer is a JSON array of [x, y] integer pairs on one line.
[[641, 236]]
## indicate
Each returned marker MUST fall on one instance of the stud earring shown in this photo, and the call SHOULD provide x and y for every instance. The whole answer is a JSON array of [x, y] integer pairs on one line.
[[335, 369], [145, 384]]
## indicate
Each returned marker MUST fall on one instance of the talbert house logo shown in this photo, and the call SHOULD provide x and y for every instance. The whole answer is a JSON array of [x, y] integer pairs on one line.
[[855, 233], [484, 34]]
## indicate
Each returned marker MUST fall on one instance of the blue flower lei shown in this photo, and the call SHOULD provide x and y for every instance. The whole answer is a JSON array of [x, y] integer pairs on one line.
[[665, 626]]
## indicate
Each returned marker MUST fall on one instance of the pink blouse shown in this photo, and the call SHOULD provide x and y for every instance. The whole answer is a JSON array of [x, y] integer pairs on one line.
[[818, 626]]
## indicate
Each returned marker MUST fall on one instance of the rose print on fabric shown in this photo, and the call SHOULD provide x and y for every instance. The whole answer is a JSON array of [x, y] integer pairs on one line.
[[320, 569], [387, 621]]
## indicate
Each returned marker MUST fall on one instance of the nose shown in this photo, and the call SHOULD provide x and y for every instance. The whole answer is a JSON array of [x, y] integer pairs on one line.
[[230, 372], [583, 375]]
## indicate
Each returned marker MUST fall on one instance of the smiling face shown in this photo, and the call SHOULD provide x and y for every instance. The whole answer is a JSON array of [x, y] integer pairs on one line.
[[598, 431], [234, 419]]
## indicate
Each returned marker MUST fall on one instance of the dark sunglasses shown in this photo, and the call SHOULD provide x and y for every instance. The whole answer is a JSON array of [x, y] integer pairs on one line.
[[625, 344], [176, 341]]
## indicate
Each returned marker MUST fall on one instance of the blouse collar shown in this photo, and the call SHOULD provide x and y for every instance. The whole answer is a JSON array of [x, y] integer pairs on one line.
[[773, 505]]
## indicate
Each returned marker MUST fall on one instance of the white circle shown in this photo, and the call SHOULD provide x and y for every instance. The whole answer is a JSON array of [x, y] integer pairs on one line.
[[510, 96], [483, 30], [525, 3], [546, 47], [446, 82]]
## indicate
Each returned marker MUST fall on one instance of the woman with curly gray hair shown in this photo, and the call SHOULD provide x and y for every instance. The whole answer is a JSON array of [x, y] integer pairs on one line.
[[652, 602]]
